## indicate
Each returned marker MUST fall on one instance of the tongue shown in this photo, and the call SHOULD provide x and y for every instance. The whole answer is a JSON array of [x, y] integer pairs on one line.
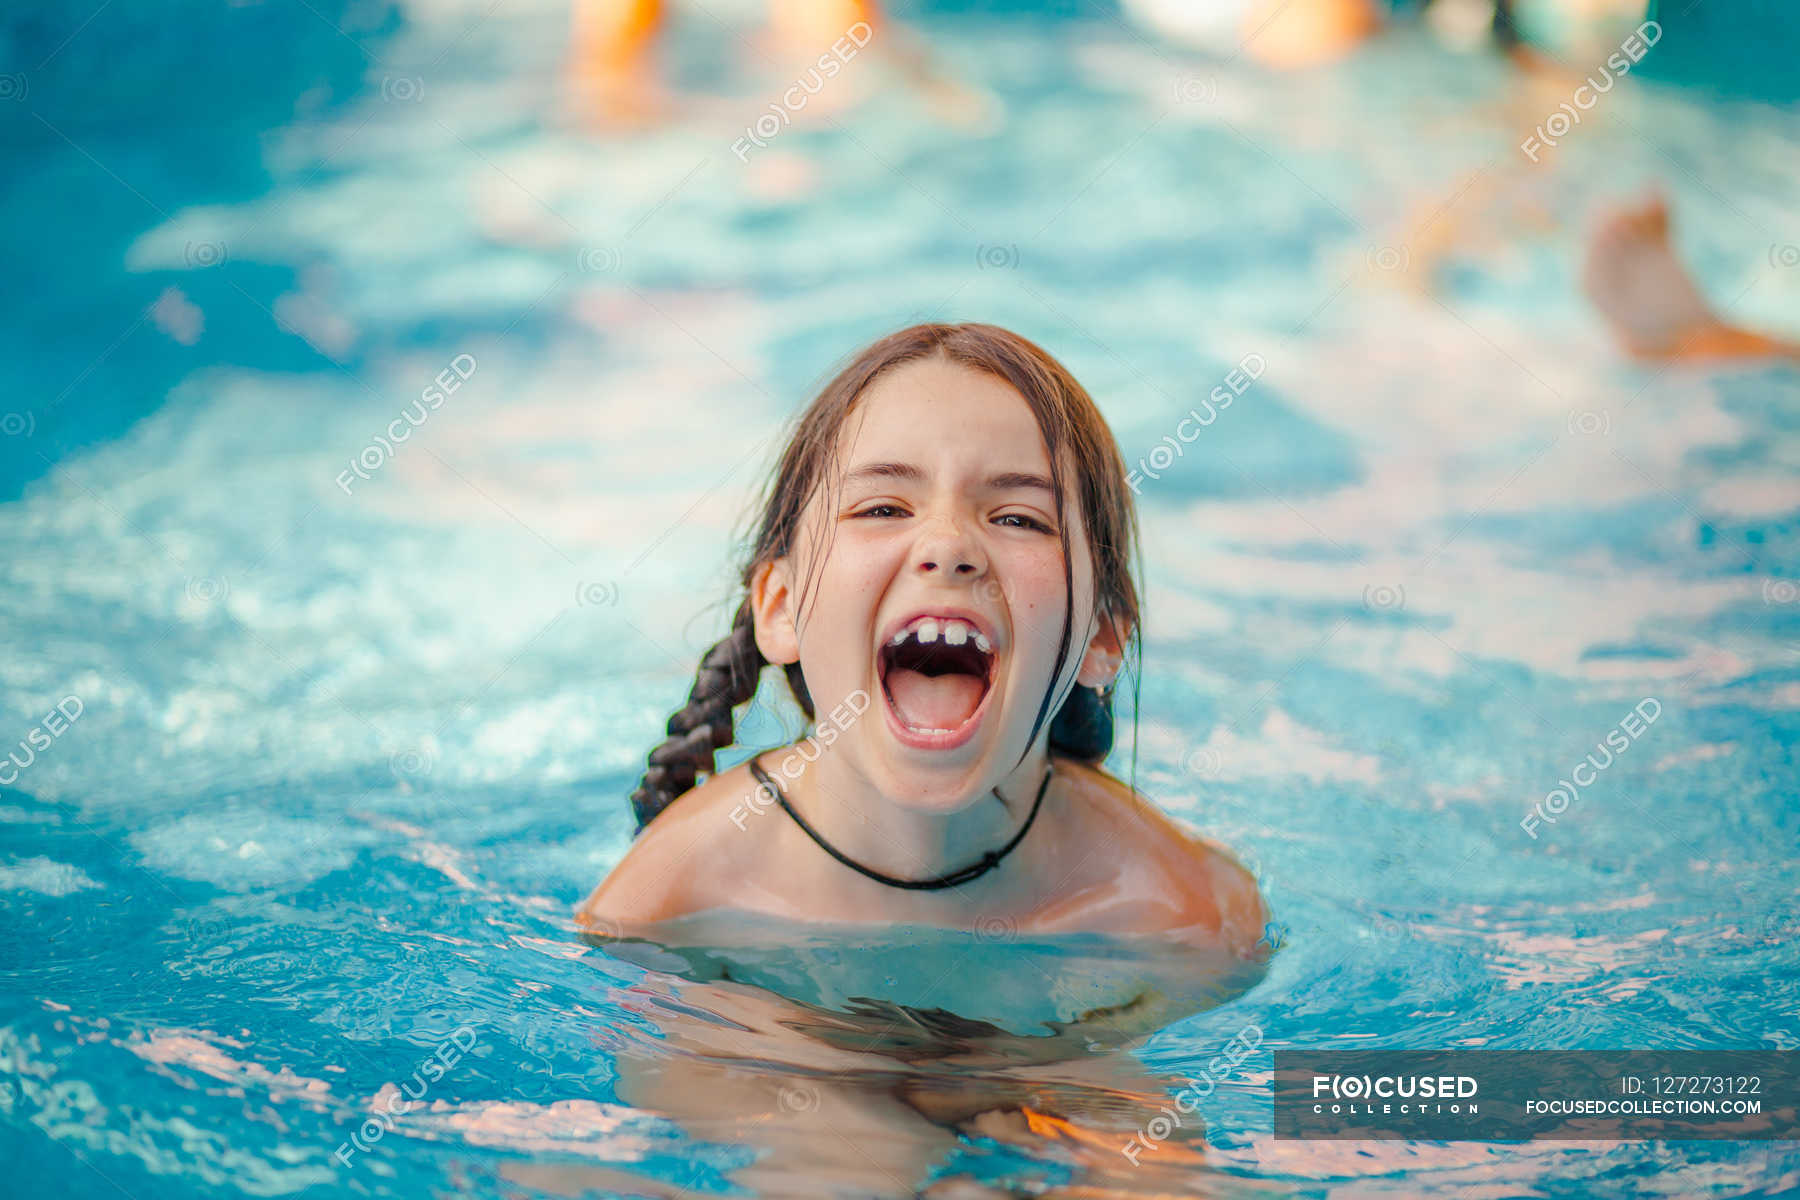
[[933, 701]]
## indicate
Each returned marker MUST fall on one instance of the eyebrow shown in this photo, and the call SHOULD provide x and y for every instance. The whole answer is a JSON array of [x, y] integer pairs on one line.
[[1004, 481]]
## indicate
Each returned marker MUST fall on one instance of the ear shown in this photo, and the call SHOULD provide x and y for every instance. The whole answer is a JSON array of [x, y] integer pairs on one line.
[[772, 601], [1105, 654]]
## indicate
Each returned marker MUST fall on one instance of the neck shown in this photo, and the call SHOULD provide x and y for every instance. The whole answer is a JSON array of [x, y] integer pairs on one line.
[[907, 840]]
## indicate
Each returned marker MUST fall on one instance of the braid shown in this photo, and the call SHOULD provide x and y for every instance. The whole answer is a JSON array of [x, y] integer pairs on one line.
[[727, 677]]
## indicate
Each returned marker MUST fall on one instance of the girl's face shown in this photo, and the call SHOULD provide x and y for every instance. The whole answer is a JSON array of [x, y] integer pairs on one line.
[[940, 594]]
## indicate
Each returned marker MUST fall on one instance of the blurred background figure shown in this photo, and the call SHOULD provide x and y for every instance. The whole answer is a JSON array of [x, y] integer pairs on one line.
[[1630, 271], [615, 82], [610, 66], [1286, 34], [1647, 296]]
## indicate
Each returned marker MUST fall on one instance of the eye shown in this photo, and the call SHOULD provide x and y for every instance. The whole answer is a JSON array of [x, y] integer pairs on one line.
[[878, 509], [1029, 522]]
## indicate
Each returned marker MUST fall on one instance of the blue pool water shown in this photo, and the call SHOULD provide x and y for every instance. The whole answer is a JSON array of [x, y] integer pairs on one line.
[[345, 751]]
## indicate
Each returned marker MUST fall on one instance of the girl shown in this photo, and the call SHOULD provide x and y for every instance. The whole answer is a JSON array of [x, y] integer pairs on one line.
[[942, 573]]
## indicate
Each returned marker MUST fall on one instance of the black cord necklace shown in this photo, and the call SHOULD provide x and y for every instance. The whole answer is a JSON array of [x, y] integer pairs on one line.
[[975, 870]]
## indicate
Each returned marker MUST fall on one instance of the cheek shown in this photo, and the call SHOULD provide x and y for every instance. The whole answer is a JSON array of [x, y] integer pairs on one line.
[[852, 582], [1037, 590], [848, 590], [1036, 587]]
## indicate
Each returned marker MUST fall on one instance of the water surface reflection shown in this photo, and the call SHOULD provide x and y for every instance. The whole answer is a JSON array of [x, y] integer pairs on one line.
[[852, 1060]]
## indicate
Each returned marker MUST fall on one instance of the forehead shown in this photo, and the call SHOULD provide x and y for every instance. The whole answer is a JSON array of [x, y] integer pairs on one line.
[[939, 414]]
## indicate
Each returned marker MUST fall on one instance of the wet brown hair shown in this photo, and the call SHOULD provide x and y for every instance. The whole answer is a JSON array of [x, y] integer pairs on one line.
[[1071, 425]]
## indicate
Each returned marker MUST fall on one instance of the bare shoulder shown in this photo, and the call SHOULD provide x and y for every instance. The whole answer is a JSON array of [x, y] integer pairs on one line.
[[678, 862], [1143, 871]]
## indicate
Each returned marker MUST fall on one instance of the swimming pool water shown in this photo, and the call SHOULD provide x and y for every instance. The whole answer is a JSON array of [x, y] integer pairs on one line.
[[353, 730]]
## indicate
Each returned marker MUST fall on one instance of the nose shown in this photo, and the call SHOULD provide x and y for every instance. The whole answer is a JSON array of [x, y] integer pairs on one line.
[[944, 547]]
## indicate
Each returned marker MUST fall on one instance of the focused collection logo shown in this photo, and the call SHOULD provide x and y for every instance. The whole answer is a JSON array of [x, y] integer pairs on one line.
[[1379, 1094]]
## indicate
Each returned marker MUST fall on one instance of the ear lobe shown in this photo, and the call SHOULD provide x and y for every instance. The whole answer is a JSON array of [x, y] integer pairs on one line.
[[772, 605], [1104, 656]]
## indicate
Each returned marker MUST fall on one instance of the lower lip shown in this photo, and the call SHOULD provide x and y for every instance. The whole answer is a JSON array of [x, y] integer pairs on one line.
[[948, 739]]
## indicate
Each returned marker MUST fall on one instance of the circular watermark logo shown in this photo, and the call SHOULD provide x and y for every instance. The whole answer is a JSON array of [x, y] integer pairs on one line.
[[1203, 761], [1389, 258], [797, 1098], [1384, 597], [206, 589], [996, 257], [201, 255], [1196, 89], [598, 594], [996, 929], [410, 766], [598, 260], [1587, 422]]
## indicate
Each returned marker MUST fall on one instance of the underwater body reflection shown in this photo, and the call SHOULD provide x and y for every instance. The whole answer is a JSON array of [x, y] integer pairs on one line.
[[853, 1060]]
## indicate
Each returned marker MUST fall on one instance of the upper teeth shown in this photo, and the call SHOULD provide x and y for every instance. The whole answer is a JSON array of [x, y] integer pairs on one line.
[[955, 632]]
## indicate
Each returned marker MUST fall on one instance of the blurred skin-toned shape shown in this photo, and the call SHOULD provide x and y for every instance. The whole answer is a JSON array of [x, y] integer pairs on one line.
[[1649, 300], [610, 71], [800, 27], [614, 81], [1630, 270], [1284, 34], [1294, 34], [875, 1100]]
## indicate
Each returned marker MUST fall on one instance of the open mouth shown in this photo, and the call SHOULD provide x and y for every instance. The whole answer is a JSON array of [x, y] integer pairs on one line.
[[936, 673]]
